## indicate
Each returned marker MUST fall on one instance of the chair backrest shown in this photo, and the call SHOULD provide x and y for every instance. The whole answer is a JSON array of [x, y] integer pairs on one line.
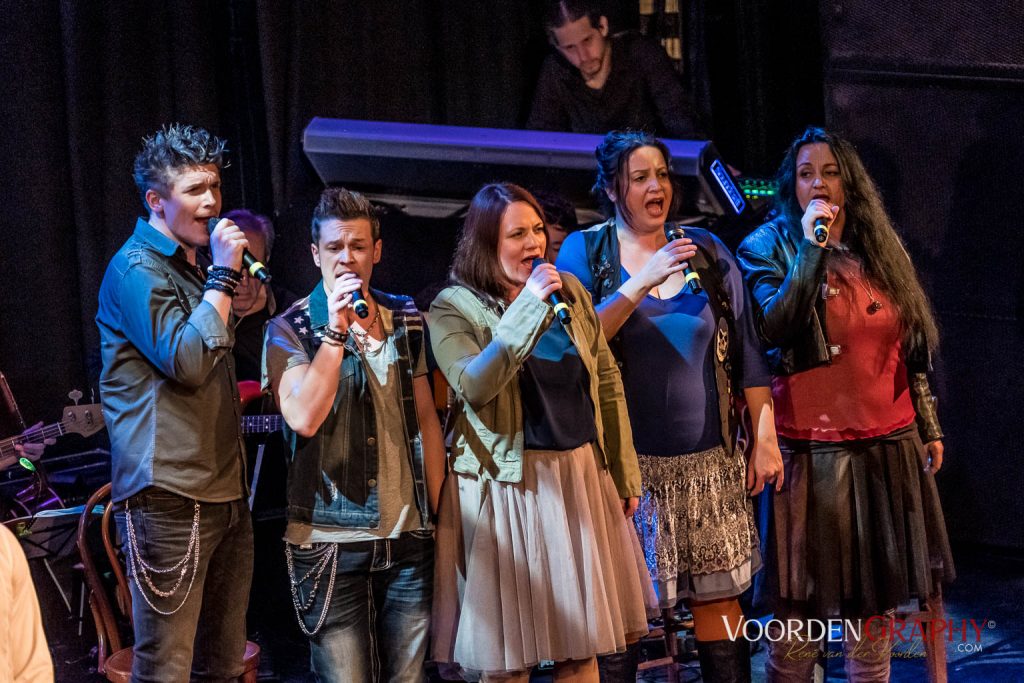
[[108, 622]]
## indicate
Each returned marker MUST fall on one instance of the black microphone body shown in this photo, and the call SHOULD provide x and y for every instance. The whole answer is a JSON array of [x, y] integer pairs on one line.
[[250, 262], [359, 304], [821, 230], [692, 277], [556, 300]]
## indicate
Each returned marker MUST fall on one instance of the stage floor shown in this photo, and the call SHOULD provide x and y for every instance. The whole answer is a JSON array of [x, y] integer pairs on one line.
[[989, 587]]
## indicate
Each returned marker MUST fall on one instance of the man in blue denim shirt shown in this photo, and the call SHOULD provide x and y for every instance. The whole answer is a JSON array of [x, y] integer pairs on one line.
[[367, 456], [171, 406]]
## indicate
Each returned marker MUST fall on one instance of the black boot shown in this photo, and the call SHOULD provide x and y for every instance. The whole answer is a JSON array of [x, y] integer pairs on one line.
[[620, 667], [724, 661]]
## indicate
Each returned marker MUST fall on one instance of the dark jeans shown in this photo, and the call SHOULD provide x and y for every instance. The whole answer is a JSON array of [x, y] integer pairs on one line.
[[212, 620], [377, 623]]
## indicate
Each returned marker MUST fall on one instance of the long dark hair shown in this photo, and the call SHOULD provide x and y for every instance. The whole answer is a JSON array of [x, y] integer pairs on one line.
[[613, 157], [868, 233], [476, 263]]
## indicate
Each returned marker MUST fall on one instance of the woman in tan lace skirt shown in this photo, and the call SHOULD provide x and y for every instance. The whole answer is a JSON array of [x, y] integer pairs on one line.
[[684, 352]]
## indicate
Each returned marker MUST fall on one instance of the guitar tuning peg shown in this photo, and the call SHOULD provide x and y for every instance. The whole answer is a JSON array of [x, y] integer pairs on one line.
[[75, 395]]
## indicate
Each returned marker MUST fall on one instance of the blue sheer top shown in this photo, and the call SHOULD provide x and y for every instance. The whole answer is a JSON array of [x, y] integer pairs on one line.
[[667, 368]]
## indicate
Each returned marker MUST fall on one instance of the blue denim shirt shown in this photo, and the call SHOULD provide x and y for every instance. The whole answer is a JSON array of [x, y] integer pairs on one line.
[[332, 476], [167, 386]]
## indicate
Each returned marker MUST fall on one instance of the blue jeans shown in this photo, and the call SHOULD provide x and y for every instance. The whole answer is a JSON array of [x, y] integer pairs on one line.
[[205, 638], [379, 615]]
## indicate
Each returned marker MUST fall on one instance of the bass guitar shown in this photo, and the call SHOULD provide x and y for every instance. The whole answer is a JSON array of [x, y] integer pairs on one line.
[[249, 391], [85, 420]]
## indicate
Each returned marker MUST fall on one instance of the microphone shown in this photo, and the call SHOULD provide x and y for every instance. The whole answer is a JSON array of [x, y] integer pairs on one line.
[[254, 266], [821, 230], [556, 300], [359, 304], [692, 277]]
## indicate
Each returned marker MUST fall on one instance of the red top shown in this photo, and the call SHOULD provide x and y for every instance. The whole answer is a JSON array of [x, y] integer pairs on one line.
[[863, 393]]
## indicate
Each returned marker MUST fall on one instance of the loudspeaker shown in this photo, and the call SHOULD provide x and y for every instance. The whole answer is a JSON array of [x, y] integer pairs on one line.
[[933, 101], [945, 36]]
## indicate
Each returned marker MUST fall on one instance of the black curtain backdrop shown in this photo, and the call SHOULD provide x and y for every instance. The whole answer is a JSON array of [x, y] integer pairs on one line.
[[83, 82]]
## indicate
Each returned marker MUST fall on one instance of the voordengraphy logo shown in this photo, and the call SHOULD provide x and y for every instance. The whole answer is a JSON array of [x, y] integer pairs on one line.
[[965, 633], [927, 630]]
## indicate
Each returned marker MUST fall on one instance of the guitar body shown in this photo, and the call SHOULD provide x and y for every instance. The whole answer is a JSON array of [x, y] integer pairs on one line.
[[248, 391]]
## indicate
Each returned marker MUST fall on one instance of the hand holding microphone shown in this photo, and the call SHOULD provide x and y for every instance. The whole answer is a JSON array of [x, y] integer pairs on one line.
[[359, 304], [251, 263], [545, 282], [674, 232], [817, 220], [341, 299], [820, 230]]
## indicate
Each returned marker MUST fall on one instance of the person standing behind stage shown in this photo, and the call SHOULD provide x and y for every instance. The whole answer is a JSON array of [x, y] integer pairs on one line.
[[599, 82], [171, 406], [559, 219], [255, 302], [535, 559], [367, 456], [682, 355], [858, 524]]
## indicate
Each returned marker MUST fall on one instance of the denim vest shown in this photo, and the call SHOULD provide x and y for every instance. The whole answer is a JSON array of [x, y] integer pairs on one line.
[[332, 477]]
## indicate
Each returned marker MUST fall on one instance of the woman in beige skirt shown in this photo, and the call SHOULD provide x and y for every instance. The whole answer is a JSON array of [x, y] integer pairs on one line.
[[535, 558]]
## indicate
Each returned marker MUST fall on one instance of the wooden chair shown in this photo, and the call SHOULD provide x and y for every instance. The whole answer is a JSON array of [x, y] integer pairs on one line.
[[114, 654], [932, 610]]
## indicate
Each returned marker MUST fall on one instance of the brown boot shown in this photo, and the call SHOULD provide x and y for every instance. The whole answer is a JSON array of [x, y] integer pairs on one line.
[[867, 657], [790, 660]]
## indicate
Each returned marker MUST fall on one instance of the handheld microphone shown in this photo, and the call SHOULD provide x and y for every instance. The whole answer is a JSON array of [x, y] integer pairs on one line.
[[251, 263], [556, 300], [821, 230], [692, 277], [362, 308]]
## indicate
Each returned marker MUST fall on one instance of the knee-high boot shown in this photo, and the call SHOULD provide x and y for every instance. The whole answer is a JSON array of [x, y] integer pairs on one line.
[[724, 661], [620, 667], [867, 657], [790, 659]]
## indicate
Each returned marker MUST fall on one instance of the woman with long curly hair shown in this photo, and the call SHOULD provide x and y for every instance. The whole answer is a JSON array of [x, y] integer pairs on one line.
[[850, 332]]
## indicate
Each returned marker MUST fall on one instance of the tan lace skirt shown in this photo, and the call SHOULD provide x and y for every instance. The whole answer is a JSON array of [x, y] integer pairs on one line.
[[696, 525]]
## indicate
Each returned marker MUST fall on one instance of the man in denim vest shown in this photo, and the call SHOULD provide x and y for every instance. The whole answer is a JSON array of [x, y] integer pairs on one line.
[[367, 456], [171, 405]]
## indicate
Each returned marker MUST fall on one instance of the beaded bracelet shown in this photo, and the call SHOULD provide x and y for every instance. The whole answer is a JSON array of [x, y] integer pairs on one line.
[[330, 342], [223, 279], [224, 270], [219, 286]]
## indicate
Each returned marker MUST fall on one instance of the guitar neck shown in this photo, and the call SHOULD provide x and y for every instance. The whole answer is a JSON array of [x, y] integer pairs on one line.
[[38, 435], [261, 424]]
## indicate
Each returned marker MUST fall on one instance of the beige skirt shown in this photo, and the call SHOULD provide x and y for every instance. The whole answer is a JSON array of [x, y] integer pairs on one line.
[[545, 569]]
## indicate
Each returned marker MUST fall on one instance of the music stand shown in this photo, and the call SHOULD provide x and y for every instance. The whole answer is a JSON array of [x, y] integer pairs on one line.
[[50, 535]]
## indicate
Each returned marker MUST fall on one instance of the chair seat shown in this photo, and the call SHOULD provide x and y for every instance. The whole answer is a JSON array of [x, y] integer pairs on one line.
[[119, 664]]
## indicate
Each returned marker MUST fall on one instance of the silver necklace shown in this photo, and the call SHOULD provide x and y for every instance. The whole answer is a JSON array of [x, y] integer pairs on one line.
[[363, 337]]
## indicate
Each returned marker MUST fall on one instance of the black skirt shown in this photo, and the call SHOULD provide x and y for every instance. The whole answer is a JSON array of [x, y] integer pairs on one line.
[[858, 528]]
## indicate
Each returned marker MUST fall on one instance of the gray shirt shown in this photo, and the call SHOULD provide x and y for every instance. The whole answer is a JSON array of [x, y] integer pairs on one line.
[[167, 386]]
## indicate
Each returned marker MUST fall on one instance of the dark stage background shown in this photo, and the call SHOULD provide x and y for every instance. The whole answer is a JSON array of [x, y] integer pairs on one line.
[[933, 93]]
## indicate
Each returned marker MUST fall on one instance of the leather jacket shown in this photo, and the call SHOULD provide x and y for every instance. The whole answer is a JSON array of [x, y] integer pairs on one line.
[[787, 275]]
